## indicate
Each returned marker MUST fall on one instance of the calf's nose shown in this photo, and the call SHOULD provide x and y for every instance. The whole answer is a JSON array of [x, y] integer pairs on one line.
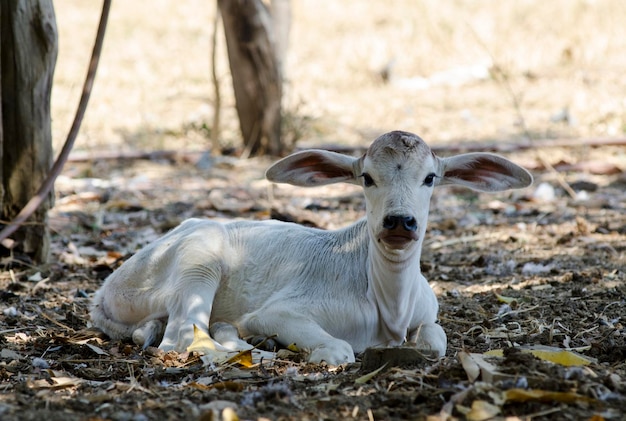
[[391, 222]]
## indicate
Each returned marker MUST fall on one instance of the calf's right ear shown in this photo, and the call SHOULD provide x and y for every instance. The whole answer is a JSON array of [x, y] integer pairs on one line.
[[313, 168]]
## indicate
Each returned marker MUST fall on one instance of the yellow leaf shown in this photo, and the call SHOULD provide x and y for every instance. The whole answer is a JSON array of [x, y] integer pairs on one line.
[[537, 395], [504, 299], [562, 357], [226, 385], [243, 358], [547, 353], [202, 342], [481, 411]]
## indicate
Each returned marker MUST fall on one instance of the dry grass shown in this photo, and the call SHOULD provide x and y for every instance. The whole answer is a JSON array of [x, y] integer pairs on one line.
[[153, 89]]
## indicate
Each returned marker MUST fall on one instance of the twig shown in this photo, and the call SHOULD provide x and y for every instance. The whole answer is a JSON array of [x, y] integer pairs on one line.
[[100, 360], [56, 322], [217, 102], [514, 312], [46, 186], [17, 329]]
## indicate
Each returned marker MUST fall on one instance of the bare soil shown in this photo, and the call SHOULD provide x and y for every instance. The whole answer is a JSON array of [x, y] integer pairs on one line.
[[512, 270], [509, 270]]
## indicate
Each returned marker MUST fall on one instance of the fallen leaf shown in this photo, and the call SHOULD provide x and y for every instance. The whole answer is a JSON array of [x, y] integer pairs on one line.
[[61, 382], [202, 342], [212, 353], [505, 299], [562, 357], [481, 411], [470, 366], [56, 381], [36, 277], [97, 349], [547, 353], [243, 358], [537, 395], [229, 385], [369, 376], [285, 354]]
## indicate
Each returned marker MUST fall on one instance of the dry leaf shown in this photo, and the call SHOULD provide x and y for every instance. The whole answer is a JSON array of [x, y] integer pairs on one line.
[[537, 395], [562, 357], [547, 353], [366, 378], [56, 381], [285, 354], [212, 353], [243, 358], [97, 349], [481, 411], [202, 342], [470, 366], [505, 299]]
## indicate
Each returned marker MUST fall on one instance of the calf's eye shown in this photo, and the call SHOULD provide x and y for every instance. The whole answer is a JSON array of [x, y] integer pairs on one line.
[[367, 180], [430, 179]]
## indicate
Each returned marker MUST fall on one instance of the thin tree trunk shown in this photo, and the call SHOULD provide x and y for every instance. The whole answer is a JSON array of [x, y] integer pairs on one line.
[[28, 52], [256, 75]]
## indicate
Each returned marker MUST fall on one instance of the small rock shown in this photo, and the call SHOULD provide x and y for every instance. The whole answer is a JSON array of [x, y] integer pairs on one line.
[[544, 193], [404, 356], [40, 363]]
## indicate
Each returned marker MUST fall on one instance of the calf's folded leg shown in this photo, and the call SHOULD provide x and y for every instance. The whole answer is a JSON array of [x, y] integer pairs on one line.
[[429, 336], [293, 328]]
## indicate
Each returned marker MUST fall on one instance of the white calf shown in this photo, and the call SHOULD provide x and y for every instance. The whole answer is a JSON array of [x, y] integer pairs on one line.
[[332, 293]]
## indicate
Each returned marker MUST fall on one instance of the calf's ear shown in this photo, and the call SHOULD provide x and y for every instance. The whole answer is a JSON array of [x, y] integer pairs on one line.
[[313, 168], [484, 172]]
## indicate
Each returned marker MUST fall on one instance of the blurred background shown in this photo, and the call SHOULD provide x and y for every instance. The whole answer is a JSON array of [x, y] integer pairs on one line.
[[451, 71]]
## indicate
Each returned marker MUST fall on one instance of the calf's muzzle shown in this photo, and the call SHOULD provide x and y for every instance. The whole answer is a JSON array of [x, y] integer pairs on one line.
[[391, 222]]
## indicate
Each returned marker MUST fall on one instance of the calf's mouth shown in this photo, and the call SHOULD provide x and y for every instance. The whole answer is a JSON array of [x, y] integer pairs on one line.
[[397, 238]]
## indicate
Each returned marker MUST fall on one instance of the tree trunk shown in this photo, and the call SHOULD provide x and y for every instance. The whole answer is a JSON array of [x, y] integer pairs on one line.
[[28, 52], [256, 74]]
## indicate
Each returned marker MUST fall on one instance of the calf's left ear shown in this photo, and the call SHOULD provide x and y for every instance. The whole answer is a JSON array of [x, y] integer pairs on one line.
[[484, 172]]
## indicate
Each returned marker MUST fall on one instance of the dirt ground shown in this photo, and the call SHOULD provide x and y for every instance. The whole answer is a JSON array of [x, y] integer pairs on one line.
[[543, 266]]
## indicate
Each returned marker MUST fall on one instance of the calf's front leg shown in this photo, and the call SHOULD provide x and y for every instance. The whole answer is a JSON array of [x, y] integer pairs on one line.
[[429, 336], [291, 327]]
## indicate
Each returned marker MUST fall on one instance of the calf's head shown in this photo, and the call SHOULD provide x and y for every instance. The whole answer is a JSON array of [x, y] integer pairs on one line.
[[398, 173]]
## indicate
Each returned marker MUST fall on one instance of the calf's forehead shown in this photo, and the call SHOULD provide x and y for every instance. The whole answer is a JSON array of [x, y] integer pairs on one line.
[[399, 149]]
